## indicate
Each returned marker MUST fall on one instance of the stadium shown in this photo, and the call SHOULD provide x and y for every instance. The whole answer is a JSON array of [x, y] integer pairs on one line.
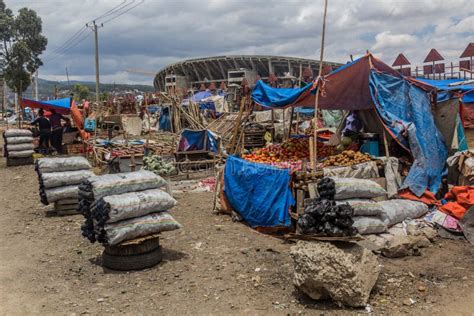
[[191, 73]]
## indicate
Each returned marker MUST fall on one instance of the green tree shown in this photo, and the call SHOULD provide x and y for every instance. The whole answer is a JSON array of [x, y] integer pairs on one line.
[[81, 92], [21, 44]]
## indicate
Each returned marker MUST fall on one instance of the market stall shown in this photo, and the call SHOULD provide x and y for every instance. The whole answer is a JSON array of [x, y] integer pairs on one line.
[[387, 129]]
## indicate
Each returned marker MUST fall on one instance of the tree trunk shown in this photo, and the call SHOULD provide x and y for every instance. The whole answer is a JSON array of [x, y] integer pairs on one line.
[[19, 116]]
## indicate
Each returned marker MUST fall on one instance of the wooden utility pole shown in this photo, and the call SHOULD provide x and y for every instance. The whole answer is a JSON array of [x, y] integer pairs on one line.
[[67, 77], [94, 28], [36, 85], [316, 99]]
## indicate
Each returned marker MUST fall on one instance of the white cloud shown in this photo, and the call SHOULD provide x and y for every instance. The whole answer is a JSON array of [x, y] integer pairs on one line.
[[160, 32], [387, 40]]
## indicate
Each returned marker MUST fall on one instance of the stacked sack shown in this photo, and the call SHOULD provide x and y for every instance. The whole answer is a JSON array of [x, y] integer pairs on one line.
[[124, 206], [18, 147], [59, 180], [359, 194], [370, 216]]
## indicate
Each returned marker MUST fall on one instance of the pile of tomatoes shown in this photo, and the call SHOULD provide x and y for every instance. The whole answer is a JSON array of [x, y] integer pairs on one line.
[[291, 150]]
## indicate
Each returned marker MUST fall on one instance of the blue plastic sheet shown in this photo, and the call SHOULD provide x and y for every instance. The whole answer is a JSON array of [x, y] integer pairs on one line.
[[201, 95], [467, 89], [468, 97], [268, 96], [405, 111], [60, 105], [462, 142], [259, 193], [165, 119], [196, 140]]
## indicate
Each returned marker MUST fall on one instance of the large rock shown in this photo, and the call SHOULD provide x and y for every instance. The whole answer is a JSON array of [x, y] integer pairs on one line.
[[344, 272], [402, 246]]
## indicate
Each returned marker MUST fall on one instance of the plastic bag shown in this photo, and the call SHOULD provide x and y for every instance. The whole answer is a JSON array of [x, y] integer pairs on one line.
[[16, 132], [134, 204], [398, 210], [119, 183], [369, 225], [128, 229], [64, 178], [21, 154], [61, 193], [20, 147], [19, 140], [363, 207], [350, 188], [62, 164]]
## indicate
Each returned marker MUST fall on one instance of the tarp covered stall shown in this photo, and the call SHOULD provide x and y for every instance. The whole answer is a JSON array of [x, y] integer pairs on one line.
[[258, 192], [403, 105], [198, 140], [62, 106], [460, 89]]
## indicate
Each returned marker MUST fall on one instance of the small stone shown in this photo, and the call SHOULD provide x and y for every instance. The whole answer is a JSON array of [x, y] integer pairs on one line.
[[422, 288], [409, 301], [100, 300]]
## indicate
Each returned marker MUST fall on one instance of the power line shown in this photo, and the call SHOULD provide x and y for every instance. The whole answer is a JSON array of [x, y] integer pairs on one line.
[[114, 10], [114, 17], [72, 38], [69, 43], [70, 47]]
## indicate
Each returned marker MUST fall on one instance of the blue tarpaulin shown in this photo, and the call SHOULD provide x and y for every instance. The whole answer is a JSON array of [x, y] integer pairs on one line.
[[258, 192], [201, 95], [404, 109], [198, 140], [268, 96], [447, 85], [62, 106], [165, 119]]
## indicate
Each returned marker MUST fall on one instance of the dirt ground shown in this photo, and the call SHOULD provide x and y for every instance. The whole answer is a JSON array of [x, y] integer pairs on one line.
[[211, 266]]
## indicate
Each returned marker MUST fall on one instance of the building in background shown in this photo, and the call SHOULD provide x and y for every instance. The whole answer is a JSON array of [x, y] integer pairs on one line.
[[193, 73]]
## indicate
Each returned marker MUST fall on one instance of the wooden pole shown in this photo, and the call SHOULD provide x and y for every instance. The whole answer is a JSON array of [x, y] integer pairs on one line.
[[291, 121], [316, 99], [149, 123]]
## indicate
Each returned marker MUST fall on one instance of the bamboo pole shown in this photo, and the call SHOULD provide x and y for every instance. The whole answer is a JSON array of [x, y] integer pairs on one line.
[[316, 99]]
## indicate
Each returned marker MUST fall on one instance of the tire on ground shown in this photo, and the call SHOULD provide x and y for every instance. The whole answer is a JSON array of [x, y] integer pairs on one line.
[[133, 249], [136, 262]]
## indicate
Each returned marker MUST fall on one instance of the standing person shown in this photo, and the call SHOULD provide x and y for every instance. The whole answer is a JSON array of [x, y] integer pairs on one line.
[[44, 129], [57, 130]]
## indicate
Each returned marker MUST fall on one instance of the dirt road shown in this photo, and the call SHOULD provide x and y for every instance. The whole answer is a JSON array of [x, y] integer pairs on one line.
[[211, 266]]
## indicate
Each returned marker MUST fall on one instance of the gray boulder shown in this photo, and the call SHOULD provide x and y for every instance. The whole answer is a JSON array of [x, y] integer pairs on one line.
[[343, 272]]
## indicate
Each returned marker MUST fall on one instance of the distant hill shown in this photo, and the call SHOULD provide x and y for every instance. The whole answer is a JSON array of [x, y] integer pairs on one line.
[[46, 88]]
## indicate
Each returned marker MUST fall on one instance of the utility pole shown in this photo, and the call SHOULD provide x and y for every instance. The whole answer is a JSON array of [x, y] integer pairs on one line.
[[67, 76], [36, 85], [94, 28]]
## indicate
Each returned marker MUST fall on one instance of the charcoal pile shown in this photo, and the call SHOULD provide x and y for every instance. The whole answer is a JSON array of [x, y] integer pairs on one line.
[[59, 180], [327, 188], [122, 208], [323, 217], [18, 148]]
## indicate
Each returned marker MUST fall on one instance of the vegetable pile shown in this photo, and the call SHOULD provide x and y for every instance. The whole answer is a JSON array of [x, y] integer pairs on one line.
[[347, 158], [291, 150], [158, 166]]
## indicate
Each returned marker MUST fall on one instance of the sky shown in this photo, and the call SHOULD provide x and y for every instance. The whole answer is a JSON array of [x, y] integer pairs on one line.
[[159, 32]]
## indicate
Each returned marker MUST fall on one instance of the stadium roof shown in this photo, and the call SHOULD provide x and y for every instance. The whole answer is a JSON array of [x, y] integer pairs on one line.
[[214, 69]]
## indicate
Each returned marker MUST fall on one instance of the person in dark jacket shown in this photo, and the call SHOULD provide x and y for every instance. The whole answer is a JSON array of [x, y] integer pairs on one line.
[[57, 130], [44, 129]]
